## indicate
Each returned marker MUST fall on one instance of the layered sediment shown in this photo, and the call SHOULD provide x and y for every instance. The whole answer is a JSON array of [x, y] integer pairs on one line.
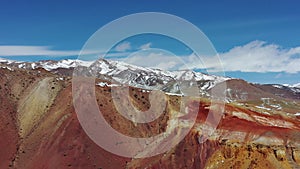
[[39, 128]]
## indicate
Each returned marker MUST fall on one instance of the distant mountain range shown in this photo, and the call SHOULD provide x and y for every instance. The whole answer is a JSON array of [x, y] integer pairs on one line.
[[156, 79]]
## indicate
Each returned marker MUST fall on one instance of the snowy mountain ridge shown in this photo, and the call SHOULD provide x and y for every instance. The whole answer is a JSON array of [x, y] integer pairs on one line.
[[143, 77]]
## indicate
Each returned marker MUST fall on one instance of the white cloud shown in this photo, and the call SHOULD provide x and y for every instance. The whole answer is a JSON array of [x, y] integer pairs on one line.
[[155, 58], [259, 56], [125, 46], [151, 59], [256, 56], [146, 46], [15, 50]]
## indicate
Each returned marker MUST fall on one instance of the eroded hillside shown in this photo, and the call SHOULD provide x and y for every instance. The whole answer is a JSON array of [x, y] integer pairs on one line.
[[39, 129]]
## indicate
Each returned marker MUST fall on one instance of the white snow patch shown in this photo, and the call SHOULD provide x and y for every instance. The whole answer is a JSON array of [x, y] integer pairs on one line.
[[174, 94], [21, 65], [145, 91], [297, 85], [273, 122], [277, 106], [68, 63], [295, 89], [102, 84], [8, 68], [6, 60], [297, 114], [104, 68], [278, 86], [241, 115], [261, 107], [33, 65], [60, 78]]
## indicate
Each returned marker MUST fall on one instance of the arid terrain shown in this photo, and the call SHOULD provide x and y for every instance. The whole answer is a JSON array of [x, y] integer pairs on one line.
[[39, 128]]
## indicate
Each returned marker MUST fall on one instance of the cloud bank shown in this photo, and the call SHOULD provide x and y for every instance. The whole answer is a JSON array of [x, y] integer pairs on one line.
[[17, 50], [259, 56], [256, 56]]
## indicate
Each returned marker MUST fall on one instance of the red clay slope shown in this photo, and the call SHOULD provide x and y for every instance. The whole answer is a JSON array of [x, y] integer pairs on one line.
[[49, 136]]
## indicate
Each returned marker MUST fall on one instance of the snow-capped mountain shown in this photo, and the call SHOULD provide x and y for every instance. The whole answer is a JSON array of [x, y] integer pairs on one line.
[[151, 78], [295, 87], [46, 64], [120, 72]]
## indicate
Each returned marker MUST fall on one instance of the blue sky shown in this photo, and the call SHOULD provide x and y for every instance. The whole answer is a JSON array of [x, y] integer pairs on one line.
[[236, 28]]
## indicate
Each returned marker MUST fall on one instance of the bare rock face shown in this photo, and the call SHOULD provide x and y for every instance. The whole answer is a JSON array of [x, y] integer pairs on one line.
[[39, 127]]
